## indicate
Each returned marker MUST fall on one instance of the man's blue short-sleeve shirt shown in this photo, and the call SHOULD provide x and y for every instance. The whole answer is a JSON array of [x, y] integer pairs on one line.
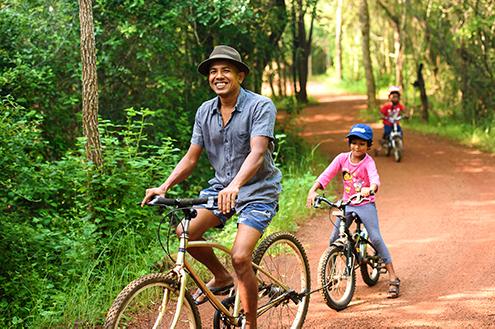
[[227, 147]]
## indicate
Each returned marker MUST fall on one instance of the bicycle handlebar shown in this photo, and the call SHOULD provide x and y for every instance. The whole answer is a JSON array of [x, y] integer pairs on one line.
[[341, 204], [179, 203]]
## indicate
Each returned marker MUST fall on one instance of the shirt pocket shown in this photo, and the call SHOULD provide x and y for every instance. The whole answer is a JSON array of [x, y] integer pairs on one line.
[[242, 142]]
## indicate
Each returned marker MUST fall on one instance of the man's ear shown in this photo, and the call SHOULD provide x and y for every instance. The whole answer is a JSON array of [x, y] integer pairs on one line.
[[242, 76]]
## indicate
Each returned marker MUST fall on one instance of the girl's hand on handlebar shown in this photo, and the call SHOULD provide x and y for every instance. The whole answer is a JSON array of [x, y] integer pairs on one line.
[[311, 198], [150, 193], [367, 191]]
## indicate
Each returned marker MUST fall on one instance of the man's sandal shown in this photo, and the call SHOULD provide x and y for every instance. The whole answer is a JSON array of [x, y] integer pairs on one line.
[[199, 296], [394, 288]]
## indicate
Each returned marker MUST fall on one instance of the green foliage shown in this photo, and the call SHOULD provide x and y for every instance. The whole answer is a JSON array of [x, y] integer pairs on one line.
[[39, 65], [62, 219], [147, 53], [482, 138]]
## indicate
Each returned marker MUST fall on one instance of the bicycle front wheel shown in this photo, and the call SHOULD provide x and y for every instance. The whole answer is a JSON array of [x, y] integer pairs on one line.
[[398, 149], [150, 302], [338, 285], [284, 258]]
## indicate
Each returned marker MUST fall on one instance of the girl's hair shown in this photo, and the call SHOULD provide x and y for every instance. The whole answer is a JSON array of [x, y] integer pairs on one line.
[[351, 138]]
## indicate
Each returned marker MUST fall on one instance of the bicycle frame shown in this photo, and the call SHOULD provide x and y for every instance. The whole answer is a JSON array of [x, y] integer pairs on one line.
[[351, 241], [183, 270]]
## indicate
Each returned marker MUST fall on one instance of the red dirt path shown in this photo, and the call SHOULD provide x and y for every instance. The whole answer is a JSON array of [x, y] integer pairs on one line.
[[437, 216]]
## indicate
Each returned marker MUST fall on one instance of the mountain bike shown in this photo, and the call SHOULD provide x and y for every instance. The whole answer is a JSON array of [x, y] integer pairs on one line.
[[352, 250], [163, 300]]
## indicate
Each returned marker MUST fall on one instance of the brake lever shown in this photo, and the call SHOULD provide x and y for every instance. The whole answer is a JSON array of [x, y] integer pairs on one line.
[[317, 202]]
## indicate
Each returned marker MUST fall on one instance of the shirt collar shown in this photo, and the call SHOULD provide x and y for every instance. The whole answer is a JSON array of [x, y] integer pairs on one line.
[[238, 105]]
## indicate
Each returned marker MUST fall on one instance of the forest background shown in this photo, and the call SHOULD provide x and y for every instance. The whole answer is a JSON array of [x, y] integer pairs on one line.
[[72, 235]]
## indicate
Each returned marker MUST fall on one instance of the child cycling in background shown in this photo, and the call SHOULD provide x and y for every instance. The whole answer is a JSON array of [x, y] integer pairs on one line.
[[359, 176], [388, 109]]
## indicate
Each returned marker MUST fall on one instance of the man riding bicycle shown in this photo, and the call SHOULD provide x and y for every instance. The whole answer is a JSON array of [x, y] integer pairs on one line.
[[236, 128]]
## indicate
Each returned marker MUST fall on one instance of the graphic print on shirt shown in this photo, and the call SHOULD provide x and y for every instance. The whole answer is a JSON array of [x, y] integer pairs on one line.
[[347, 177], [350, 180], [358, 183]]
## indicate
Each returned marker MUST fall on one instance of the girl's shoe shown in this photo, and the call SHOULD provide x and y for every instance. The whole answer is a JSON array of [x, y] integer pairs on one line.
[[394, 288]]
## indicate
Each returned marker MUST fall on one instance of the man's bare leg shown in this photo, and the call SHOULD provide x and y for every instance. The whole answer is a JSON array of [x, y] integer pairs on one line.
[[242, 252]]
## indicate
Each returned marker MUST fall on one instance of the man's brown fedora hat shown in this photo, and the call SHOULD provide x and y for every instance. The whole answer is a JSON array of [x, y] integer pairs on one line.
[[223, 52]]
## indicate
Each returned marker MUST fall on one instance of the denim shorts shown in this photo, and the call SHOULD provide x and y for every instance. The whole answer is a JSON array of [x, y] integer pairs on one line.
[[255, 215]]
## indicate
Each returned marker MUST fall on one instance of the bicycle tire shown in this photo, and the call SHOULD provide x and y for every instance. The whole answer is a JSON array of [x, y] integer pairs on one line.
[[398, 149], [137, 305], [370, 268], [282, 255], [388, 149], [332, 266]]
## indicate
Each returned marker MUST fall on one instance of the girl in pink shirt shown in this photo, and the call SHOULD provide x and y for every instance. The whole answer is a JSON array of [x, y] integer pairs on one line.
[[359, 176]]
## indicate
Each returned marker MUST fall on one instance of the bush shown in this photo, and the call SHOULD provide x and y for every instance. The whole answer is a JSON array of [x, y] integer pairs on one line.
[[62, 219]]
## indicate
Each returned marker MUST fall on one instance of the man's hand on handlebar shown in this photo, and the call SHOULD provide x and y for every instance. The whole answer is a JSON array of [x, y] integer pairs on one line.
[[150, 193], [227, 198]]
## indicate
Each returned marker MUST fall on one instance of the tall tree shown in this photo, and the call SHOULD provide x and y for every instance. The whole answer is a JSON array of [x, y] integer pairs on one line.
[[338, 40], [89, 84], [420, 85], [364, 20], [397, 23], [302, 40]]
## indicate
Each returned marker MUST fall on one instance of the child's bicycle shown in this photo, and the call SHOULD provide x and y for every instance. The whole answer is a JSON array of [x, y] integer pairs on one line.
[[394, 143], [336, 270], [162, 300]]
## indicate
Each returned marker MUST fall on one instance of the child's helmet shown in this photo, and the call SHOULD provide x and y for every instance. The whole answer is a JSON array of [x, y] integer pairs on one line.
[[362, 131], [394, 89]]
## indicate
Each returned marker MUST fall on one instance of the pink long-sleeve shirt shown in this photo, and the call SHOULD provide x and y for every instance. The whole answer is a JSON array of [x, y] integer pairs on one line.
[[355, 175]]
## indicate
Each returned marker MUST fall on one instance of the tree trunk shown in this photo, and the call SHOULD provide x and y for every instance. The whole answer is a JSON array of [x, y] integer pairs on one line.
[[398, 25], [285, 76], [399, 55], [89, 84], [338, 40], [365, 44], [304, 46], [420, 84], [302, 64], [271, 75], [280, 73], [295, 49]]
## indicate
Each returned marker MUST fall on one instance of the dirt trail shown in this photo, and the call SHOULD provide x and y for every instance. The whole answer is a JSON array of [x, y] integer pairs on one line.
[[437, 216]]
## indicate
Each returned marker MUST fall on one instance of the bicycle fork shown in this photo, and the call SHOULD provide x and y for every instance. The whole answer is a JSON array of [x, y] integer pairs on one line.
[[181, 273], [349, 256]]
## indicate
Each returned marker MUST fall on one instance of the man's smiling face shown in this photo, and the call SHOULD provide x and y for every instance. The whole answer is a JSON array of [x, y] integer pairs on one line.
[[225, 78]]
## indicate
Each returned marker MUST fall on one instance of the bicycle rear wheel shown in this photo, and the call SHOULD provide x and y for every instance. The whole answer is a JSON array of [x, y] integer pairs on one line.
[[283, 256], [338, 286], [150, 302]]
